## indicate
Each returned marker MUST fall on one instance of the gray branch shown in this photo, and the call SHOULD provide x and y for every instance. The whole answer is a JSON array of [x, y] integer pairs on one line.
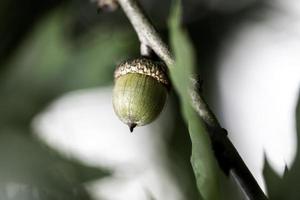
[[146, 32], [227, 156]]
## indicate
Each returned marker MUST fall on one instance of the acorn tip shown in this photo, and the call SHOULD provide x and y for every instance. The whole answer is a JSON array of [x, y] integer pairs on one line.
[[132, 126]]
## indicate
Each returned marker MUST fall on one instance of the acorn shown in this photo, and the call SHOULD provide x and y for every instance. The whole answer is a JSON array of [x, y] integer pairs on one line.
[[140, 91]]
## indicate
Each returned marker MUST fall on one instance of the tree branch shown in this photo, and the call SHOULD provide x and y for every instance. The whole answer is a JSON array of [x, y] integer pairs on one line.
[[146, 32], [227, 156]]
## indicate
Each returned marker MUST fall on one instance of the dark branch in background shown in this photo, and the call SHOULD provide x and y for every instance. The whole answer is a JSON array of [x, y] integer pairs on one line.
[[227, 156]]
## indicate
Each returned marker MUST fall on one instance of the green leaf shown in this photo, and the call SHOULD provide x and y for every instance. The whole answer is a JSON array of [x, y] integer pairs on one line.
[[272, 180], [286, 187], [203, 161]]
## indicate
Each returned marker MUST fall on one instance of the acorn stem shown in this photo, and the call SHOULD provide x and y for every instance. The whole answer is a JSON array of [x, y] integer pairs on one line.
[[146, 51]]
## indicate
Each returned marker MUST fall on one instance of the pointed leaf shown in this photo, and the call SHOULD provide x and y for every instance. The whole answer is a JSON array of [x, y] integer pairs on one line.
[[203, 161], [285, 187]]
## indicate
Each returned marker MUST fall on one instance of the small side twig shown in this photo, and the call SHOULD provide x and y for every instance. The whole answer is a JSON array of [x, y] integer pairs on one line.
[[228, 158]]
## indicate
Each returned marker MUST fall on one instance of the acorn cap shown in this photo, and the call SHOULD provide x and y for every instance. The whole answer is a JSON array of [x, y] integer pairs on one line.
[[140, 91], [145, 66]]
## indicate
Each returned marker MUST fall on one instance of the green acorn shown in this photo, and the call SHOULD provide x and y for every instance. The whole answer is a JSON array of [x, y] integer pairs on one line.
[[140, 91]]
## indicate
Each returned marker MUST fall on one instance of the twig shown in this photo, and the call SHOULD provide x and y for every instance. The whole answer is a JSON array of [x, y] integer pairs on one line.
[[228, 158], [146, 32]]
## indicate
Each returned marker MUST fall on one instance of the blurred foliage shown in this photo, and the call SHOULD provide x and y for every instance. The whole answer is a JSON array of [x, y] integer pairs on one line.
[[51, 47], [16, 20], [32, 171], [45, 66], [287, 186]]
